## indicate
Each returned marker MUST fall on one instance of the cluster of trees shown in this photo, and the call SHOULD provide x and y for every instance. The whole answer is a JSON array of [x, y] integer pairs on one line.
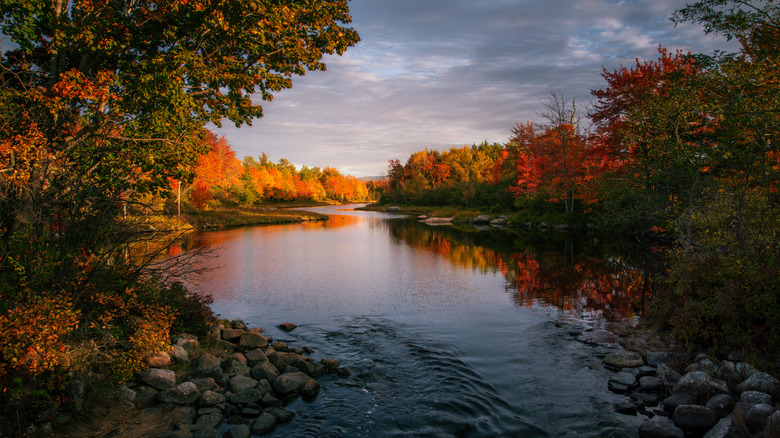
[[221, 179], [101, 103], [685, 145]]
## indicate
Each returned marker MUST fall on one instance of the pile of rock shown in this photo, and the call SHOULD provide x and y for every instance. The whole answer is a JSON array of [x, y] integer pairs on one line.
[[245, 389], [711, 399]]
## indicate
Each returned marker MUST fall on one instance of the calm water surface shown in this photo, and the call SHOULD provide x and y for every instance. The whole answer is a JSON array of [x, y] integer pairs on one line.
[[448, 332]]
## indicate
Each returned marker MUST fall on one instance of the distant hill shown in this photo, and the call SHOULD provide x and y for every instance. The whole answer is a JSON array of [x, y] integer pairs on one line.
[[372, 178]]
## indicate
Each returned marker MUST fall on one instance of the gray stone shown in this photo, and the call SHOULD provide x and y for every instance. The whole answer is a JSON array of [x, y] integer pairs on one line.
[[263, 424], [183, 415], [330, 365], [393, 209], [621, 382], [647, 399], [251, 340], [264, 386], [481, 219], [145, 396], [265, 370], [706, 366], [180, 354], [282, 360], [75, 393], [241, 383], [309, 368], [677, 399], [310, 389], [694, 419], [210, 420], [204, 383], [668, 375], [269, 400], [700, 385], [725, 428], [623, 359], [210, 398], [207, 432], [727, 371], [645, 371], [159, 378], [651, 384], [290, 383], [215, 374], [255, 356], [628, 406], [180, 433], [238, 431], [756, 418], [181, 394], [773, 425], [206, 361], [761, 382], [282, 415], [288, 326], [126, 396], [209, 410], [755, 398], [660, 427], [721, 404], [248, 396], [232, 335]]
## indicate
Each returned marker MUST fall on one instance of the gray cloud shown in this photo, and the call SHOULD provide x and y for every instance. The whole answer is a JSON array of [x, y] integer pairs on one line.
[[443, 73]]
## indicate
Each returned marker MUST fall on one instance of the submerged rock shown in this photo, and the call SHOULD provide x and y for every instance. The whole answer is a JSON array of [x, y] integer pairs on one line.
[[623, 359]]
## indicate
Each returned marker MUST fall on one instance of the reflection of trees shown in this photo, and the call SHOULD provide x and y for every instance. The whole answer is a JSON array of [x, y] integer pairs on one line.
[[589, 276]]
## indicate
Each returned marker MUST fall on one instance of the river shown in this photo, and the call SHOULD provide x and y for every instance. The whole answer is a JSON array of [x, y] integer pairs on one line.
[[448, 331]]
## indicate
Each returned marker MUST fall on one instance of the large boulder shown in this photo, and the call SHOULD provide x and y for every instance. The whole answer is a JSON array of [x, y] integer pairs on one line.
[[241, 383], [182, 394], [252, 340], [761, 382], [623, 359], [211, 398], [247, 396], [756, 418], [694, 419], [206, 361], [481, 219], [721, 404], [159, 378], [660, 427], [656, 358], [263, 424], [678, 399], [725, 428], [622, 382], [265, 371], [699, 384], [290, 383]]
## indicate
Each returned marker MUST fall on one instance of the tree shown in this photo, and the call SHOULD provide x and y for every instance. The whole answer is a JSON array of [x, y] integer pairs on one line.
[[564, 120]]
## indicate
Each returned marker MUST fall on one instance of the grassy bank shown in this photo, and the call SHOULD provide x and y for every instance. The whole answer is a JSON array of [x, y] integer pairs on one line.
[[245, 216]]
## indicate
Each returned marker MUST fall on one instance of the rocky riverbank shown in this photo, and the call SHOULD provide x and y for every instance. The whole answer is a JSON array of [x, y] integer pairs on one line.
[[706, 398], [233, 384]]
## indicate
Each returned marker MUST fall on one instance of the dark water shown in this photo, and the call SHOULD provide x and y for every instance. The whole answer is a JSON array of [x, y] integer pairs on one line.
[[448, 332]]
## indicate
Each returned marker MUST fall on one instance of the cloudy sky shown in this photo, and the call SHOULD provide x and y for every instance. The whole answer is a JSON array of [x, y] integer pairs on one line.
[[441, 73]]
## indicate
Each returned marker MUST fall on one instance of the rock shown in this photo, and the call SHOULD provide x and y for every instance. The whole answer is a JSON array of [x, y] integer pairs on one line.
[[206, 361], [754, 398], [269, 400], [207, 432], [188, 342], [280, 346], [183, 415], [721, 404], [214, 374], [233, 367], [210, 420], [660, 427], [290, 383], [145, 396], [255, 356], [248, 396], [281, 359], [694, 419], [727, 371], [679, 398], [651, 384], [180, 354], [310, 389], [628, 406], [621, 382], [725, 428], [232, 334], [159, 360], [644, 371], [204, 383], [263, 424], [700, 385], [241, 383], [251, 340], [756, 418], [623, 359], [75, 393], [761, 382], [706, 366], [159, 378], [656, 358], [331, 365], [126, 396], [668, 375], [238, 431], [181, 433], [181, 394], [744, 370], [288, 326], [481, 219], [265, 371], [282, 415], [308, 367], [647, 399], [238, 324], [773, 425], [211, 398]]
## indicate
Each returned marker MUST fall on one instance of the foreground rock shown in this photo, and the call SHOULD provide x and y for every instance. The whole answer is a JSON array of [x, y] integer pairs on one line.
[[246, 387], [711, 399]]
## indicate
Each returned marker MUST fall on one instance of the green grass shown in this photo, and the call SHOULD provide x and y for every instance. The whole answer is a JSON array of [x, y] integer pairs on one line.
[[244, 216]]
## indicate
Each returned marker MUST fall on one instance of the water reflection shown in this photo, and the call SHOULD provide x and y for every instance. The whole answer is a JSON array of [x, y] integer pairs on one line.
[[586, 276]]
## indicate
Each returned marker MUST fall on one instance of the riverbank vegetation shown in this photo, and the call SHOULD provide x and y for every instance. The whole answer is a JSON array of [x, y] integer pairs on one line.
[[103, 108], [683, 146]]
